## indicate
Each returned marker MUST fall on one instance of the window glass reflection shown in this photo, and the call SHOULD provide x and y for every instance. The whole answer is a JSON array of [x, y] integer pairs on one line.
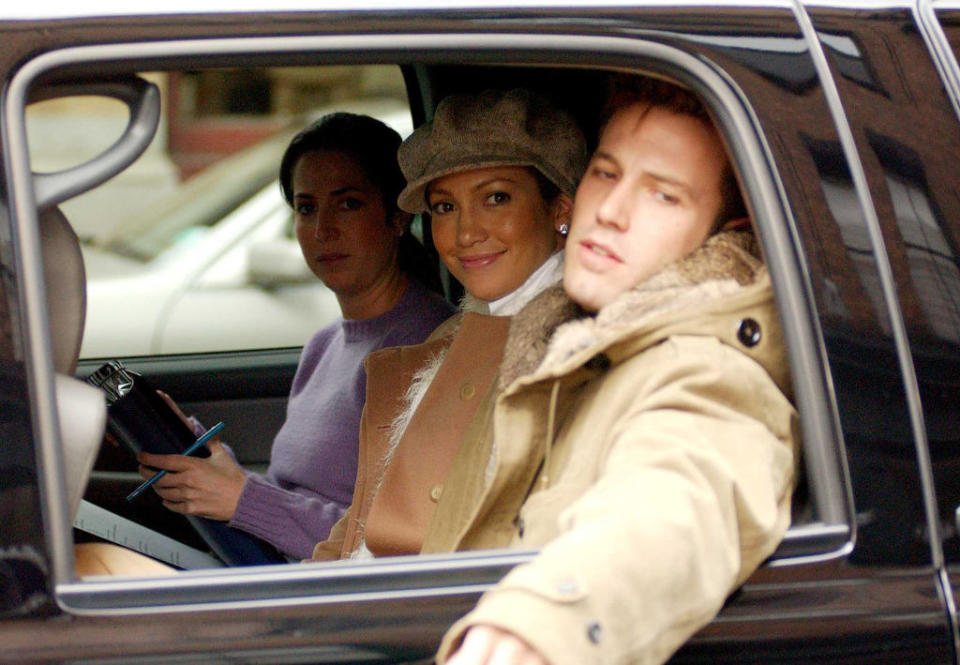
[[931, 255], [850, 60], [933, 267], [841, 199]]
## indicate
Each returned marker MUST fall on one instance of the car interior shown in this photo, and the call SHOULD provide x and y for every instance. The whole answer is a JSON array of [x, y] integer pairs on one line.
[[246, 388]]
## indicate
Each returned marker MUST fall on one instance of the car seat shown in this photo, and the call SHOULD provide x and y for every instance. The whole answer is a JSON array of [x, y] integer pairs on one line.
[[81, 408]]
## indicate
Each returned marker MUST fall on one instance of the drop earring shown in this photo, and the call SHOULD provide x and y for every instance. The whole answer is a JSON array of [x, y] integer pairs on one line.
[[563, 229]]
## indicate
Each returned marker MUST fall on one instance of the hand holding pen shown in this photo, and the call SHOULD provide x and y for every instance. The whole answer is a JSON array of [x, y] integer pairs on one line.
[[202, 486], [206, 436]]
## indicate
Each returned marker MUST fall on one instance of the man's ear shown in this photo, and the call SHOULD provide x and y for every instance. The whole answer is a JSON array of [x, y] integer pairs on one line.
[[400, 221]]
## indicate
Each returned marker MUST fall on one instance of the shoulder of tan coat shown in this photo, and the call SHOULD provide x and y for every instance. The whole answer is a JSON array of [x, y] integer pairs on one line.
[[446, 329], [747, 321], [442, 334]]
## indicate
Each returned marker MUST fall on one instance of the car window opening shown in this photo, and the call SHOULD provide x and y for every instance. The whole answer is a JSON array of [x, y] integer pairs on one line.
[[209, 203]]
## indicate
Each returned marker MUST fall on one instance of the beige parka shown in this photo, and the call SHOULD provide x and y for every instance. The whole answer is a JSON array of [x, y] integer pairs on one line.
[[648, 450]]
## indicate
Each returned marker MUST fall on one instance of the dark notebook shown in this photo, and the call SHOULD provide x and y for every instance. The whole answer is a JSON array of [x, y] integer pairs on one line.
[[139, 419]]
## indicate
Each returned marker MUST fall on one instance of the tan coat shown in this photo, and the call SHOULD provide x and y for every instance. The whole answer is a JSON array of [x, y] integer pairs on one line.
[[392, 507], [649, 452]]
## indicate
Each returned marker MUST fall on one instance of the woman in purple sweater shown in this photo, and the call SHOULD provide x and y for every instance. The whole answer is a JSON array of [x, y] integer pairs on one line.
[[340, 176]]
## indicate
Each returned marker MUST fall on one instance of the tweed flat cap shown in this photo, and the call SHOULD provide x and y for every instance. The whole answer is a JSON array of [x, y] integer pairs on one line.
[[492, 128]]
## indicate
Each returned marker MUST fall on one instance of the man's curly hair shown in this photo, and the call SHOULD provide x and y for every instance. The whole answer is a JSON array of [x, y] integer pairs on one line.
[[629, 89]]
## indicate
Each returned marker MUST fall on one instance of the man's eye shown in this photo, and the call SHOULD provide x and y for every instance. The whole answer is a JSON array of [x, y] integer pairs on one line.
[[497, 198], [305, 208], [441, 207], [603, 174], [664, 197], [351, 204]]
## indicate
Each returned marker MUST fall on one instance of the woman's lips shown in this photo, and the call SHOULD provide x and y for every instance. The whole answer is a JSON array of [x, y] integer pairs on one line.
[[330, 258], [478, 260]]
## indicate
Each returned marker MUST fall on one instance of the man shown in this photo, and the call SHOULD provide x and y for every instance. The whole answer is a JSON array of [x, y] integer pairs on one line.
[[644, 438]]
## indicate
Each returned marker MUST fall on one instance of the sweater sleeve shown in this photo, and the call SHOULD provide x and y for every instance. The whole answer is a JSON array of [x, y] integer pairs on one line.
[[290, 520], [693, 494]]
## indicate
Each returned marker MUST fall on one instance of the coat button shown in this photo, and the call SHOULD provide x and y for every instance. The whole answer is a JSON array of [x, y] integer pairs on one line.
[[599, 362], [436, 492], [594, 633], [567, 587], [467, 391], [749, 332]]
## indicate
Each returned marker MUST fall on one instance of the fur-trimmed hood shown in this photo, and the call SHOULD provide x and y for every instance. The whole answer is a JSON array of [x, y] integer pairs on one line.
[[721, 289]]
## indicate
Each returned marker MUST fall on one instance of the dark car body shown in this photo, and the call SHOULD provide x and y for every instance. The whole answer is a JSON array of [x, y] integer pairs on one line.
[[842, 120]]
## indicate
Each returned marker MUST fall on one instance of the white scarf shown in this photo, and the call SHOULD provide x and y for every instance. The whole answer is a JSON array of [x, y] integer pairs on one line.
[[548, 273]]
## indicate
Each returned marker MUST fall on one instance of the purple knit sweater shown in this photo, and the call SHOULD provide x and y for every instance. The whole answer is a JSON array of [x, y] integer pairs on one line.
[[313, 462]]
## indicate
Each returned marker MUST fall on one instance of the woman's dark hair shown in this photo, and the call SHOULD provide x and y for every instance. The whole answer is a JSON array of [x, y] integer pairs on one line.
[[373, 145], [549, 190]]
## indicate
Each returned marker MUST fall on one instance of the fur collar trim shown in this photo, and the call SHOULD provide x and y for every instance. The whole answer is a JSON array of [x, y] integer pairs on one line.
[[552, 328]]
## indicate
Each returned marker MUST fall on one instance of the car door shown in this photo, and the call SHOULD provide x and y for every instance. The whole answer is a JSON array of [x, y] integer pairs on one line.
[[854, 581], [937, 352], [872, 69]]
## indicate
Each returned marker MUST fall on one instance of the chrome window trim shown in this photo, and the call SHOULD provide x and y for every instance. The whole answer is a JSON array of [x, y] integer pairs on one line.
[[282, 586], [944, 59], [778, 236], [925, 14], [174, 7], [861, 5]]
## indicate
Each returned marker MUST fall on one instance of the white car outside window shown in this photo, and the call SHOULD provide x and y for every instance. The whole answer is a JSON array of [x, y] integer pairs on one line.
[[214, 268]]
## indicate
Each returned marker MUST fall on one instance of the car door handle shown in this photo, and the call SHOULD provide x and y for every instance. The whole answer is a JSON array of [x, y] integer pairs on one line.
[[141, 97]]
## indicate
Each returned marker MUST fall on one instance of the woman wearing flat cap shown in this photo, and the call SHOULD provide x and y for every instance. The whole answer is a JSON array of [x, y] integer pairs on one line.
[[497, 172]]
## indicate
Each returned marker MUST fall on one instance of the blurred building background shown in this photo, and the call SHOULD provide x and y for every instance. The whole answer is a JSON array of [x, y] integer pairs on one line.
[[207, 115]]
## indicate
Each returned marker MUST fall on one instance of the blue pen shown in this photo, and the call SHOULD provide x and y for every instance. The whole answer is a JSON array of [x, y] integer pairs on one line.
[[206, 436]]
